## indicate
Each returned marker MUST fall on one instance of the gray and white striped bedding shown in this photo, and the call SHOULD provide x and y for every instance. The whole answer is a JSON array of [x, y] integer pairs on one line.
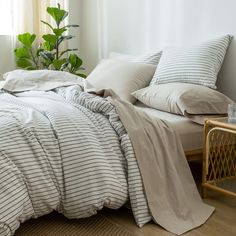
[[64, 150], [199, 64]]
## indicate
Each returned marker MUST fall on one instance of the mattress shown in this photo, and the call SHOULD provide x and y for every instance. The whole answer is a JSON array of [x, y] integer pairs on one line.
[[190, 133]]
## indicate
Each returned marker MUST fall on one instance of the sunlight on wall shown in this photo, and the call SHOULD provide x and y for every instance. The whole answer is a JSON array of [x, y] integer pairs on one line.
[[6, 24]]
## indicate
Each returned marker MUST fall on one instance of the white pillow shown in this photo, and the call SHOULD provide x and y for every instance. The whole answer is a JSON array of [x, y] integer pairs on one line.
[[25, 80], [148, 58], [121, 76], [184, 99], [199, 64]]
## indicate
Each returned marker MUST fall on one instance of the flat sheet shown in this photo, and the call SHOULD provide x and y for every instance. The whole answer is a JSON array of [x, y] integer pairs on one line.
[[171, 193], [190, 133]]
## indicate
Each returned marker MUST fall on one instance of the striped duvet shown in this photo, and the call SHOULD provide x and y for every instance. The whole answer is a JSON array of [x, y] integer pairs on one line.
[[64, 150]]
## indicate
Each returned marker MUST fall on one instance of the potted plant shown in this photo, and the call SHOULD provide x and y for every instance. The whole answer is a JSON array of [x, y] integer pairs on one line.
[[48, 55]]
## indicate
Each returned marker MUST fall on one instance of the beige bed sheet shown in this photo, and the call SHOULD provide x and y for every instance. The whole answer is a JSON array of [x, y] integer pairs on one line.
[[190, 133]]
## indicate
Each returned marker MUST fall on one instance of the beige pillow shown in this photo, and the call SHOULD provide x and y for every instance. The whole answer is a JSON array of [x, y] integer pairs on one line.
[[147, 58], [184, 99], [121, 76]]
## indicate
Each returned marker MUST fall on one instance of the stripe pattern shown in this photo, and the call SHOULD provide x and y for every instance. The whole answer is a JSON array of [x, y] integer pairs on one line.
[[148, 58], [64, 150], [198, 64]]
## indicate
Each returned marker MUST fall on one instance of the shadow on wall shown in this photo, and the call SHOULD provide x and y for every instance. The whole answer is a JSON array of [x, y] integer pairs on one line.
[[226, 82]]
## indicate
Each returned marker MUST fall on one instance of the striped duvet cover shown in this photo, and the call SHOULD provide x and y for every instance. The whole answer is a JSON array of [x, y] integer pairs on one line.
[[64, 150]]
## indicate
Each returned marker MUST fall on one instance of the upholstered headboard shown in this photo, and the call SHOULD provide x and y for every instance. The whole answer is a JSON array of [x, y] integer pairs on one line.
[[149, 25]]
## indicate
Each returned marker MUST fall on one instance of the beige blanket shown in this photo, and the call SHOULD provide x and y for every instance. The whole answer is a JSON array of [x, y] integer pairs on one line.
[[172, 196]]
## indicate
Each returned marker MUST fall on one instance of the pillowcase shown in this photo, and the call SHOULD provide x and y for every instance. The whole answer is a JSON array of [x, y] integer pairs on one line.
[[25, 80], [121, 76], [198, 64], [148, 58], [184, 99]]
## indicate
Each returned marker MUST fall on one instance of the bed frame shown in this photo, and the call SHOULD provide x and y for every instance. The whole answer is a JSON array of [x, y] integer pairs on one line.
[[194, 155]]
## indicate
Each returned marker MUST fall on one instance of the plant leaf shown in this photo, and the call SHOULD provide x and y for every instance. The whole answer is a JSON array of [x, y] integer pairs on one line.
[[58, 63], [75, 61], [46, 23], [57, 14], [51, 38], [81, 75], [27, 39], [64, 37], [24, 63], [68, 26], [68, 50], [46, 46], [59, 32], [22, 52]]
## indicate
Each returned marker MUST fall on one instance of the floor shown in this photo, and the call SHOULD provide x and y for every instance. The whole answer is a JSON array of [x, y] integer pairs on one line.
[[221, 223]]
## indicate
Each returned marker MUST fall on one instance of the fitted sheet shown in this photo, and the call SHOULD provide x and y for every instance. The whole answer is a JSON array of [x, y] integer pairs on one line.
[[190, 133]]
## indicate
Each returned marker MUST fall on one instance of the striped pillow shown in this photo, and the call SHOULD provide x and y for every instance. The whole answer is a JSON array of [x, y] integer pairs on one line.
[[148, 58], [198, 64]]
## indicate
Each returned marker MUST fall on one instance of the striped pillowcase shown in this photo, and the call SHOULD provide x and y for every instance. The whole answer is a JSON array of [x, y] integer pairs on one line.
[[198, 64], [148, 58]]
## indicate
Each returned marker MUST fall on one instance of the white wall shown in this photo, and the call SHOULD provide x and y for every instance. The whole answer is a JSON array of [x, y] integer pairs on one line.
[[74, 18], [7, 60], [89, 34], [137, 26]]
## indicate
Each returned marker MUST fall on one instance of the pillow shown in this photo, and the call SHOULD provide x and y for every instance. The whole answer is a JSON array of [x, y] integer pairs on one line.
[[184, 99], [148, 58], [198, 64], [121, 76], [25, 80]]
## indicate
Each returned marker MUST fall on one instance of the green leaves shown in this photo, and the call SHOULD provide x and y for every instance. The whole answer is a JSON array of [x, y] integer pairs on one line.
[[50, 38], [24, 63], [64, 37], [57, 14], [48, 55], [22, 53], [58, 63], [75, 61], [75, 65], [51, 41], [25, 57], [27, 39], [59, 32]]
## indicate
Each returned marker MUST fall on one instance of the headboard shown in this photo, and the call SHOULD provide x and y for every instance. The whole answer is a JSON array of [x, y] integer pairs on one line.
[[149, 25]]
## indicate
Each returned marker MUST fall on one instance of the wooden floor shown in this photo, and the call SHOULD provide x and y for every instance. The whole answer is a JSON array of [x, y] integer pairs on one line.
[[221, 223]]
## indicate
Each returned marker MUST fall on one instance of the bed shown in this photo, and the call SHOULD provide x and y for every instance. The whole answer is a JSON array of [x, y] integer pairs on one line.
[[76, 146]]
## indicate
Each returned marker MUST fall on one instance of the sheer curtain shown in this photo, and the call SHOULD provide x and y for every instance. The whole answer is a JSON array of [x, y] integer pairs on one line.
[[19, 16], [148, 25]]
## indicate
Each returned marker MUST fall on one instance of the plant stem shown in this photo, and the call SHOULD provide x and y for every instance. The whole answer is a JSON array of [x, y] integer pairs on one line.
[[57, 45], [34, 59]]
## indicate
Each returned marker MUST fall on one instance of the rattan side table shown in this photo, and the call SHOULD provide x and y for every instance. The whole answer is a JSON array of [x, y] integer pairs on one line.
[[219, 161]]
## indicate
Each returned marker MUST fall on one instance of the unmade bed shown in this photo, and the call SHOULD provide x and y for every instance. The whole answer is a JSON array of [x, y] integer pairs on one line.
[[67, 150], [76, 146]]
